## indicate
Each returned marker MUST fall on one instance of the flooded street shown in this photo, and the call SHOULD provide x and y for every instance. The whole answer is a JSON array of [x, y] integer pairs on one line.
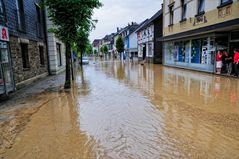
[[125, 111]]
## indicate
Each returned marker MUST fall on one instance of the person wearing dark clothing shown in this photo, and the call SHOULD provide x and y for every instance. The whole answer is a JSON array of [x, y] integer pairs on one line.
[[227, 62], [236, 62]]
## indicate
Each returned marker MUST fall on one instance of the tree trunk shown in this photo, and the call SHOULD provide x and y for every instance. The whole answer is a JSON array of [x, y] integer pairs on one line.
[[68, 66], [72, 68], [81, 56]]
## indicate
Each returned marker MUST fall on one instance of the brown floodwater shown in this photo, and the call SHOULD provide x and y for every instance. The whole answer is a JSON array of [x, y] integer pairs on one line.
[[129, 111]]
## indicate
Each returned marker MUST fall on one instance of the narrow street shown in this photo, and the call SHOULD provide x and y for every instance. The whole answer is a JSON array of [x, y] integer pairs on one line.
[[123, 111]]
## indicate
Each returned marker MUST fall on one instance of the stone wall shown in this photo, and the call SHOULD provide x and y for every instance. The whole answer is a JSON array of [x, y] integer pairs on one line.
[[36, 69]]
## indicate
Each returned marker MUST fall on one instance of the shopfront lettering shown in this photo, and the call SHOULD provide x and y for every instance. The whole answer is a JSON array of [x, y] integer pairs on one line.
[[199, 20], [223, 12]]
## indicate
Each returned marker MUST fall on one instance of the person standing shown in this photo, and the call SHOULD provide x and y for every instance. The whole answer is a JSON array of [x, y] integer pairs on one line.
[[227, 61], [219, 62], [236, 62]]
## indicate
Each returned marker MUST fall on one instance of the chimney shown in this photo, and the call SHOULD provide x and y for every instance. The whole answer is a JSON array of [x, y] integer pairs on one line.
[[117, 29], [132, 23]]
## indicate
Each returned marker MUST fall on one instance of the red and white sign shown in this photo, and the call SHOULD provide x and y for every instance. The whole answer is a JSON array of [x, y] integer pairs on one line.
[[4, 35]]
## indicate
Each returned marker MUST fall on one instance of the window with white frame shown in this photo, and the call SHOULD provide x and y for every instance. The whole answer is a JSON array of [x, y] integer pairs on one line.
[[201, 6], [171, 15], [184, 9]]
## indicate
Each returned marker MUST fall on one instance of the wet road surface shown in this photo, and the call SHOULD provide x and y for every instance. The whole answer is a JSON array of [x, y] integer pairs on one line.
[[127, 111]]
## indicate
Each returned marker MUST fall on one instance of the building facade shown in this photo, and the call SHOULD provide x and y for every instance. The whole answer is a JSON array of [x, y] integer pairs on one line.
[[125, 34], [56, 50], [146, 41], [24, 57], [194, 30]]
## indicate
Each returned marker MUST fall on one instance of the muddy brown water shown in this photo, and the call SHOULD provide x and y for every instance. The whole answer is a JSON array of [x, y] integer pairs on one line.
[[129, 111]]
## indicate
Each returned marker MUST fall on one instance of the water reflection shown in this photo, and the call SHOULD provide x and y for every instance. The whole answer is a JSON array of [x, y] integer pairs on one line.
[[124, 110]]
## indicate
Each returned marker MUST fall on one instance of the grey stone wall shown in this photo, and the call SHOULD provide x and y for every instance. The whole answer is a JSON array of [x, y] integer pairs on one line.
[[21, 74]]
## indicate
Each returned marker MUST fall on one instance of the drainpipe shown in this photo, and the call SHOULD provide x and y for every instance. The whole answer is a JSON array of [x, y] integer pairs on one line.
[[46, 39]]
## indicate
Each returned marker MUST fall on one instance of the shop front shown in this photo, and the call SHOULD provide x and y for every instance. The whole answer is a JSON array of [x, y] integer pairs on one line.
[[191, 53], [6, 76]]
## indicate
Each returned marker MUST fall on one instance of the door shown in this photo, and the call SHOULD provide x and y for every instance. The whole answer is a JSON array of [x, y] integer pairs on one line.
[[6, 78], [144, 52]]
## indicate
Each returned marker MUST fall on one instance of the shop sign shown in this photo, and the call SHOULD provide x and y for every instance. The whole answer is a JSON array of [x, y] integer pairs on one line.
[[223, 12], [4, 35], [199, 20]]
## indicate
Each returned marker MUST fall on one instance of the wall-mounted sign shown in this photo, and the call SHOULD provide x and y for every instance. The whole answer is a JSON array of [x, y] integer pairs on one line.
[[4, 35]]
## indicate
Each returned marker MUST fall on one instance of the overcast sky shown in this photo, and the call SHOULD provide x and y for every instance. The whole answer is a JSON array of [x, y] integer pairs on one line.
[[118, 13]]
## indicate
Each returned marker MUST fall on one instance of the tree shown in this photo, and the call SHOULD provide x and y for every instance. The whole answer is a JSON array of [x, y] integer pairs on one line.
[[102, 49], [120, 44], [95, 52], [70, 17], [89, 49], [105, 49]]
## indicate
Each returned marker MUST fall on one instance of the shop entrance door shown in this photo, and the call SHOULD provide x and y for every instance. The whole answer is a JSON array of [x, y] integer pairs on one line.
[[6, 77], [144, 52]]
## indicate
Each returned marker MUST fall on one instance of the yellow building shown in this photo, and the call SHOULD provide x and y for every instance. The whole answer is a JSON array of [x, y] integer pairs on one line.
[[194, 30]]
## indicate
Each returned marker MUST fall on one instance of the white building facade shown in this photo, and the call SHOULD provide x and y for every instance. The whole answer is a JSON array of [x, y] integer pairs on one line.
[[145, 36], [56, 50]]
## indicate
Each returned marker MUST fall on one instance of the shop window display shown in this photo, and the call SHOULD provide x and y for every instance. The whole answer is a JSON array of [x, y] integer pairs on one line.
[[195, 52]]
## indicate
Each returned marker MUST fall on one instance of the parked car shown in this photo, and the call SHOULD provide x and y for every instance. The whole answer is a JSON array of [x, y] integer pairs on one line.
[[85, 60]]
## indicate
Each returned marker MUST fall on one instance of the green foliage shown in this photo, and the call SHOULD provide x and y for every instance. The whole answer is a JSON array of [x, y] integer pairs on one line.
[[120, 44], [95, 52], [105, 49], [89, 49], [71, 17], [102, 49]]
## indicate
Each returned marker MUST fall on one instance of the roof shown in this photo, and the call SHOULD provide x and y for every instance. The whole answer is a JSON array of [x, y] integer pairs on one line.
[[150, 21]]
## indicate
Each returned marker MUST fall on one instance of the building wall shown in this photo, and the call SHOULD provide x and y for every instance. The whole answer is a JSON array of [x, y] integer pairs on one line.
[[31, 37], [212, 15], [133, 44], [52, 41], [158, 46], [36, 69]]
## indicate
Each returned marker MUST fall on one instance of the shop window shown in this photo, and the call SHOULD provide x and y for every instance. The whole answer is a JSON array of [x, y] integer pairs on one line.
[[183, 53], [58, 49], [195, 51], [184, 9], [201, 6], [41, 52], [171, 15], [25, 56]]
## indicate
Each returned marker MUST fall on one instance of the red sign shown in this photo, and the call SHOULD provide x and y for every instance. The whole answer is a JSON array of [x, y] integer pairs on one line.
[[4, 35]]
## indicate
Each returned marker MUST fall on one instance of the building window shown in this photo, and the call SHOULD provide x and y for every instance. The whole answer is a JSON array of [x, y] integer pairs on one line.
[[39, 22], [25, 56], [20, 15], [171, 15], [225, 1], [201, 6], [58, 50], [41, 52], [184, 9], [2, 10]]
